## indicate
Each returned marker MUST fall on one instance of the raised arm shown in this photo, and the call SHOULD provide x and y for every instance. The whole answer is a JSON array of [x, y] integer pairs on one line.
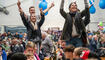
[[46, 10], [42, 20], [20, 9], [42, 14], [86, 13], [24, 20], [62, 12], [86, 10], [87, 17]]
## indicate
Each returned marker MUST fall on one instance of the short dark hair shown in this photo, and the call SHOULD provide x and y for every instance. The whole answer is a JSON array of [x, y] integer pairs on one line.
[[18, 56], [69, 48], [31, 7]]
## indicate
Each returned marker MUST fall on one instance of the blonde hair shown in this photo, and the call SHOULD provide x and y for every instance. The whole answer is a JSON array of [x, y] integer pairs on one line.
[[30, 44]]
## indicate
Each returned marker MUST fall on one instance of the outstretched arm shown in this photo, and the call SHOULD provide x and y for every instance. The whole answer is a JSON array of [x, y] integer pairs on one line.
[[46, 10], [42, 19], [22, 14], [42, 14], [62, 12], [20, 9]]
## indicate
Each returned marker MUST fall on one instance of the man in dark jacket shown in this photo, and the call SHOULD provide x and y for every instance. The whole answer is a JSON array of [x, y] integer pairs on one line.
[[74, 26], [16, 47]]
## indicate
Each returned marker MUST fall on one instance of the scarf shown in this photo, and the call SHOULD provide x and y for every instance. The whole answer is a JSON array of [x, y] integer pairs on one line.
[[34, 26]]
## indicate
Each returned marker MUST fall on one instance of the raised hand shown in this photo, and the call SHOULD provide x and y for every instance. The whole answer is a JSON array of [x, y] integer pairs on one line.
[[19, 7], [18, 3], [41, 10], [52, 4]]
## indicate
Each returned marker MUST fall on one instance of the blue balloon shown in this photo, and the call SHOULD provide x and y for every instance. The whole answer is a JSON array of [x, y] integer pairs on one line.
[[92, 9], [102, 4], [44, 0], [40, 5], [43, 5], [46, 13]]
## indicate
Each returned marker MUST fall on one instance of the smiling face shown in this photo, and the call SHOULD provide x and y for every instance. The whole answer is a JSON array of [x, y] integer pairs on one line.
[[73, 7], [32, 10], [33, 18], [30, 50]]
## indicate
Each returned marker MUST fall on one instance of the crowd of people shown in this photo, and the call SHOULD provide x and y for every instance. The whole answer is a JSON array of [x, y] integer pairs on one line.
[[71, 43], [51, 47]]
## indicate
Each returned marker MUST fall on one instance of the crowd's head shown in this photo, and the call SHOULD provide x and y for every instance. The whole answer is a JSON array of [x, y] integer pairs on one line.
[[30, 47], [18, 56]]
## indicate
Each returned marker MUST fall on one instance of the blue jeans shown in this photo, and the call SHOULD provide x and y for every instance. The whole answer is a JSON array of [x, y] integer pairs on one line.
[[77, 42]]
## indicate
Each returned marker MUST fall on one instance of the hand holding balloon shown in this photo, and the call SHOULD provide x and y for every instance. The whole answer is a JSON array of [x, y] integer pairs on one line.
[[43, 5], [46, 10]]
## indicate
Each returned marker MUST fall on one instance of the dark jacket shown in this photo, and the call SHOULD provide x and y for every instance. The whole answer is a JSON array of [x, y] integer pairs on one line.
[[79, 22], [17, 48], [31, 33]]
